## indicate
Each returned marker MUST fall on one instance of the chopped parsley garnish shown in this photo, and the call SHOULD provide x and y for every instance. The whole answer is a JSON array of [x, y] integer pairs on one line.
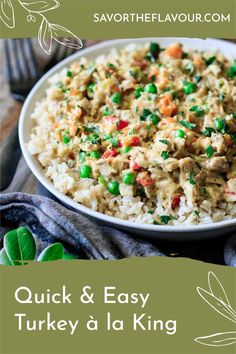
[[154, 118], [69, 73], [221, 125], [174, 95], [90, 128], [232, 71], [233, 136], [107, 136], [208, 131], [125, 149], [189, 87], [180, 133], [91, 87], [107, 111], [210, 151], [189, 68], [191, 178], [117, 98], [198, 110], [164, 141], [66, 137], [198, 78], [95, 139], [114, 142], [131, 132], [77, 131], [165, 219], [138, 91], [165, 155], [188, 125], [210, 60], [111, 66], [221, 97], [62, 87], [197, 213], [145, 114]]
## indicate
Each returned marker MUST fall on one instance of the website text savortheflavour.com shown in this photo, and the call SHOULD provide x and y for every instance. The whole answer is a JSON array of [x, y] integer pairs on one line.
[[147, 17]]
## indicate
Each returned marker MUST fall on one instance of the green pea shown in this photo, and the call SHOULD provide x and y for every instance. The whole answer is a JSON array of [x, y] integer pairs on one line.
[[180, 133], [138, 91], [129, 178], [117, 98], [232, 71], [113, 187], [95, 154], [150, 88], [85, 171], [189, 87]]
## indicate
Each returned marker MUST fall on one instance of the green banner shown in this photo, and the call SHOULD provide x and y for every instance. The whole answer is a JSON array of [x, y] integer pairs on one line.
[[96, 19], [138, 305]]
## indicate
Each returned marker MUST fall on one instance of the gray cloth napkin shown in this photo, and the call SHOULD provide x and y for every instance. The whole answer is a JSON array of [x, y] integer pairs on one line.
[[51, 222]]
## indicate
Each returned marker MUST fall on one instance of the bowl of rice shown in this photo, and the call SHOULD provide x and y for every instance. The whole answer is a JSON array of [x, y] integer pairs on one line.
[[140, 134]]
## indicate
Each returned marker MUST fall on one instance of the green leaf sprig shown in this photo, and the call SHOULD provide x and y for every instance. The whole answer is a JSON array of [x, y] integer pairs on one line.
[[20, 248]]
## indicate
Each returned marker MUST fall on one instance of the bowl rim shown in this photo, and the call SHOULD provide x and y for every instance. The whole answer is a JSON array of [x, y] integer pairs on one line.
[[38, 171]]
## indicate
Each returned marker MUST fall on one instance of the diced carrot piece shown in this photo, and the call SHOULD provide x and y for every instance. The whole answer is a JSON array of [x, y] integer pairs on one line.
[[155, 71], [74, 92], [175, 51], [198, 61], [167, 106], [73, 129], [59, 136], [56, 125]]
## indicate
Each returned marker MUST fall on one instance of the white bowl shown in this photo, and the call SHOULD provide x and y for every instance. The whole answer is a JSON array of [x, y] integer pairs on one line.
[[192, 232]]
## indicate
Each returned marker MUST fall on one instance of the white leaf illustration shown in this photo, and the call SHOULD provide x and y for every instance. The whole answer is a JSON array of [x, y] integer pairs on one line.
[[217, 305], [70, 39], [40, 5], [216, 288], [7, 14], [218, 339], [45, 36]]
